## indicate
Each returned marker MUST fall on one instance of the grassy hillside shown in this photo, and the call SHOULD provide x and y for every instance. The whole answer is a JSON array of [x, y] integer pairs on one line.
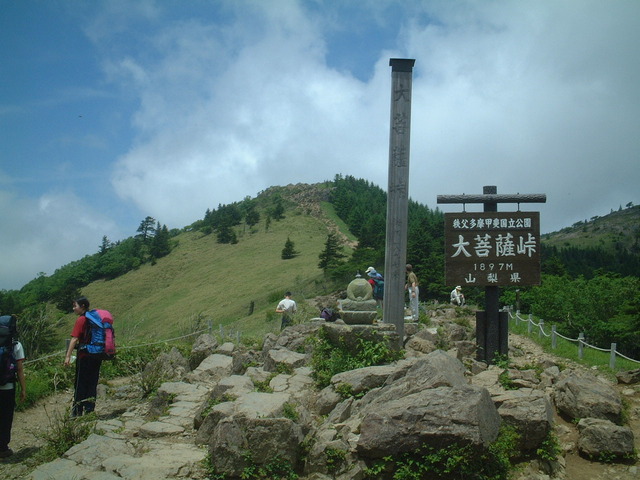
[[204, 280], [617, 230]]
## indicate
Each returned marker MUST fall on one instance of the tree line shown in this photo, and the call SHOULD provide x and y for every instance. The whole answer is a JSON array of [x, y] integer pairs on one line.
[[584, 290], [363, 207], [593, 290], [223, 221], [151, 242]]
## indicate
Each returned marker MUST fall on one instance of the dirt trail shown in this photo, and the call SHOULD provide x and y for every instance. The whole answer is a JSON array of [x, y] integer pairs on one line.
[[578, 468], [30, 426]]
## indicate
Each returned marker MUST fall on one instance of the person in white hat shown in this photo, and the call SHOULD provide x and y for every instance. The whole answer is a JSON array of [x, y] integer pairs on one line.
[[457, 297]]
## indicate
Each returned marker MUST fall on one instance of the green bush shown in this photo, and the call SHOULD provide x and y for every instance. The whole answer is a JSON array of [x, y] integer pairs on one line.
[[44, 378], [48, 376], [63, 433], [451, 462], [277, 468], [328, 359]]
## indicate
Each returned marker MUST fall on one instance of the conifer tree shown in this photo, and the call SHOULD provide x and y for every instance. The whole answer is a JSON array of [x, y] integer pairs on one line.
[[147, 229], [160, 245], [332, 254], [289, 250]]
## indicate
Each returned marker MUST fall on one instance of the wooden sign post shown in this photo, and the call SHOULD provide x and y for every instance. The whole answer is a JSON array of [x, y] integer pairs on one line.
[[492, 249]]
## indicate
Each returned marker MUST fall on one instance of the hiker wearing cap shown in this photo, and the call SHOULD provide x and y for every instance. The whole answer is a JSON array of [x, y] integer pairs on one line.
[[377, 285], [414, 292], [457, 297]]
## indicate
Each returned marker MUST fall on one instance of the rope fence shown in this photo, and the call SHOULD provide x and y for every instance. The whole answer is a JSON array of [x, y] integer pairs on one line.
[[209, 329], [554, 334]]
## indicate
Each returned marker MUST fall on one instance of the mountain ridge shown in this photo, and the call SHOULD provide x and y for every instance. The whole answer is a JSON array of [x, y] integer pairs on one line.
[[236, 286]]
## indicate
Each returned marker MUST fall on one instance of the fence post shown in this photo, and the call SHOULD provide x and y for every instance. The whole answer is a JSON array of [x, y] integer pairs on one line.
[[554, 340], [580, 346], [612, 358], [541, 328], [529, 324]]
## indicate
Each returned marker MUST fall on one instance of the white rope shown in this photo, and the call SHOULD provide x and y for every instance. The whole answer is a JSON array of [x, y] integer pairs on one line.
[[45, 357], [161, 341], [596, 348], [567, 338], [60, 352], [627, 358], [543, 332], [608, 350]]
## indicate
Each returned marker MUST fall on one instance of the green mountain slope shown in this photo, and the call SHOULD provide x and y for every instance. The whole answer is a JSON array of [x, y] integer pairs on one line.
[[203, 280], [237, 286], [619, 230]]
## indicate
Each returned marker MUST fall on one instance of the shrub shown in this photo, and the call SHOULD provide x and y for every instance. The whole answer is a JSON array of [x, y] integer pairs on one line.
[[328, 359], [63, 433], [452, 461]]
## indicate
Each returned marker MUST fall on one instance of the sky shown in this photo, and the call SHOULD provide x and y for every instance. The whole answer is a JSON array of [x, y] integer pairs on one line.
[[113, 110]]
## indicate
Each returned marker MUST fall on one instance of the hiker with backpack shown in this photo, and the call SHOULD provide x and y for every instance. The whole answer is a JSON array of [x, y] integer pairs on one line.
[[90, 353], [11, 369], [377, 284]]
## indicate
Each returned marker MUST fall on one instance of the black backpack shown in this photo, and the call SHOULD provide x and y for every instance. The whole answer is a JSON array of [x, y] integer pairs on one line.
[[8, 334], [329, 315]]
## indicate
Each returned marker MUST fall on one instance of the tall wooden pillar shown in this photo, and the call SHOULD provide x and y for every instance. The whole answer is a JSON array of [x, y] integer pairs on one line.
[[398, 193]]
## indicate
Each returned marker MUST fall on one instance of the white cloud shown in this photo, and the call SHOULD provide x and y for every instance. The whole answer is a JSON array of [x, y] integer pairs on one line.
[[231, 98], [267, 119], [46, 233], [527, 98]]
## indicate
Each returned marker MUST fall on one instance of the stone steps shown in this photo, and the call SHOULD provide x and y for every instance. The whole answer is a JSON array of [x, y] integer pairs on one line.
[[131, 448]]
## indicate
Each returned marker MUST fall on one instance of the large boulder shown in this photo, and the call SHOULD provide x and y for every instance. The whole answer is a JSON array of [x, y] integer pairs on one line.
[[283, 359], [629, 377], [584, 396], [212, 369], [204, 346], [232, 387], [166, 367], [363, 379], [294, 338], [530, 413], [436, 369], [350, 336], [603, 440], [435, 417], [250, 405], [240, 442]]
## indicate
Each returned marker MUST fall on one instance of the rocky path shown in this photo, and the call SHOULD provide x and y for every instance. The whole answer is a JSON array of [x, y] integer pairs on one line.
[[576, 467], [132, 444], [128, 444]]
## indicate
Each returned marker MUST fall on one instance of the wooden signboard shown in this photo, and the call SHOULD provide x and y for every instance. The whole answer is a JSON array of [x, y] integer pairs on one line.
[[492, 248]]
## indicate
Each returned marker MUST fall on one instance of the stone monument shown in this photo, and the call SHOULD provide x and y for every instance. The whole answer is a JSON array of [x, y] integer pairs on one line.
[[359, 308]]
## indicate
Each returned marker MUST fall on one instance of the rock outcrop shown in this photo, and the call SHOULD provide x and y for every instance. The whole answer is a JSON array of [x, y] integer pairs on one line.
[[243, 409]]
